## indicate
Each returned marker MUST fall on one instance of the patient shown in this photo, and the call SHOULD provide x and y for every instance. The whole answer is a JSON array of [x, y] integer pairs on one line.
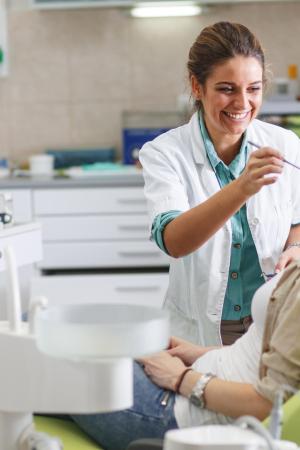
[[246, 375]]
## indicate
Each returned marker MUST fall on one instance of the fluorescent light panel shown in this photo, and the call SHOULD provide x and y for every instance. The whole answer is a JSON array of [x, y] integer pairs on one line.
[[164, 9]]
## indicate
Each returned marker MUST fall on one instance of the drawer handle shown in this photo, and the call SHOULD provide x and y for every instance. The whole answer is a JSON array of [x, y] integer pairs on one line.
[[131, 201], [139, 254], [137, 288], [133, 227]]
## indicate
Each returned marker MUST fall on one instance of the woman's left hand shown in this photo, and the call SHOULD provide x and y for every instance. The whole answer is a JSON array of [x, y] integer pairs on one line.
[[288, 256], [163, 369]]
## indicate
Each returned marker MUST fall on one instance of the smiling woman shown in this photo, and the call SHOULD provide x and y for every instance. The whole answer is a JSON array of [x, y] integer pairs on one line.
[[223, 210]]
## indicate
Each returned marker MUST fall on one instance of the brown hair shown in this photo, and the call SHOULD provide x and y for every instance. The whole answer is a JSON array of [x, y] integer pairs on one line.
[[219, 42]]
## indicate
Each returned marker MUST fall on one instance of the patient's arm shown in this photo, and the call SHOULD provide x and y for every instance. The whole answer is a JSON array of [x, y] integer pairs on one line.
[[228, 397], [186, 351]]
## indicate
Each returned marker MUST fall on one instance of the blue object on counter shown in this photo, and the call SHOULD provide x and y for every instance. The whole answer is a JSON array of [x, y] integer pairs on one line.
[[135, 138], [64, 159], [4, 163]]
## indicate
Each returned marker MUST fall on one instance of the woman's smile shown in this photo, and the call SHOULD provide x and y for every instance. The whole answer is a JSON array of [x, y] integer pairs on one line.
[[237, 116]]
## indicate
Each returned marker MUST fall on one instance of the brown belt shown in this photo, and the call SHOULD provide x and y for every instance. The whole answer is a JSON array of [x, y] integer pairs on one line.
[[231, 330]]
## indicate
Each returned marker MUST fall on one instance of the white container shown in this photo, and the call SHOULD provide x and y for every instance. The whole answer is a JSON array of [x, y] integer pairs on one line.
[[219, 437], [92, 331], [41, 165]]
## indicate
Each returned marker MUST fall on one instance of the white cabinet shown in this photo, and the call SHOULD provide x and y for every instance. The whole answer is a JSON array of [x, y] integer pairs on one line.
[[22, 213], [95, 228], [98, 229], [96, 245], [146, 288], [85, 255], [22, 204], [116, 200]]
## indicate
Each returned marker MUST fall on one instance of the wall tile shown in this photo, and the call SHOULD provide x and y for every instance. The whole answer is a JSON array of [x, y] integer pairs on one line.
[[4, 88], [99, 56], [96, 124], [34, 128], [5, 132], [39, 70], [159, 51]]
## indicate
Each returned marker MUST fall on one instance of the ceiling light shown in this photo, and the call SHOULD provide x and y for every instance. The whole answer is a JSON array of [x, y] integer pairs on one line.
[[165, 10]]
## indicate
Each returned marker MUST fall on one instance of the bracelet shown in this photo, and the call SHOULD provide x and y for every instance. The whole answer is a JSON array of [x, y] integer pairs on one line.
[[180, 379], [293, 244]]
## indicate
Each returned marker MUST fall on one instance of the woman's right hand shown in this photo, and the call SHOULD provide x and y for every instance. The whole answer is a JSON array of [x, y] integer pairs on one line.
[[263, 168], [186, 351]]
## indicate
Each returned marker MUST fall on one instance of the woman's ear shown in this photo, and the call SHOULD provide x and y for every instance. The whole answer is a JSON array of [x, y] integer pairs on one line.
[[196, 88]]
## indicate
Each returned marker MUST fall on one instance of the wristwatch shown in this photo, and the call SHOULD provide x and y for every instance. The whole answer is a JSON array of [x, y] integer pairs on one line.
[[197, 394]]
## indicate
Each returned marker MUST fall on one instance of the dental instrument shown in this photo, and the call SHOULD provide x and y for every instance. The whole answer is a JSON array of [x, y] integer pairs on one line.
[[276, 415], [284, 160]]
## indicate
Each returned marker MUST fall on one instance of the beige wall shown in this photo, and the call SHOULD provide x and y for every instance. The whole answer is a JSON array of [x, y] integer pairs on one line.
[[72, 73]]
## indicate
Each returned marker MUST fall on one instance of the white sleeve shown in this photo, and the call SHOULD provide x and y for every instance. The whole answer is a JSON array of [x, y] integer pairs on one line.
[[295, 141], [164, 182]]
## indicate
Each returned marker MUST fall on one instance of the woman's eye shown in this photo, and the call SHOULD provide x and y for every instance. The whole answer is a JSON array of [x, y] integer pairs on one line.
[[225, 89], [230, 89], [254, 89]]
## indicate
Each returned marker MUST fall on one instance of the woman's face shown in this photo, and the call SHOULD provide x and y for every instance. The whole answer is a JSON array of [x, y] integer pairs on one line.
[[231, 96]]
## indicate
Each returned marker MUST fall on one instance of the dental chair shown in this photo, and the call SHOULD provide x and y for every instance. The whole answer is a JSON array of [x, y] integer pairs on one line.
[[71, 436], [291, 420], [75, 439]]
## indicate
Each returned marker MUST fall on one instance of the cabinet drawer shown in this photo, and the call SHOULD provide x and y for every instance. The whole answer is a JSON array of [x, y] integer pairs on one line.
[[89, 228], [89, 201], [102, 254], [146, 289], [21, 204]]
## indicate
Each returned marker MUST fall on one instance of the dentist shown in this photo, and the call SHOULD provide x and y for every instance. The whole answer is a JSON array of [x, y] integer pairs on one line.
[[225, 212]]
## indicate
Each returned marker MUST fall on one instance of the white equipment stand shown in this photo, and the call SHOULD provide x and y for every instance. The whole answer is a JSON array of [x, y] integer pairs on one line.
[[69, 359]]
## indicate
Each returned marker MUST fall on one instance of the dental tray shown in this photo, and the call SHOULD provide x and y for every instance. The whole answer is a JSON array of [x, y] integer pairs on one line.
[[92, 331]]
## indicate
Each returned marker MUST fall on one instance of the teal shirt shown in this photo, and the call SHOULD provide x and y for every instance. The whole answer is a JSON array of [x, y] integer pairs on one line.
[[244, 271]]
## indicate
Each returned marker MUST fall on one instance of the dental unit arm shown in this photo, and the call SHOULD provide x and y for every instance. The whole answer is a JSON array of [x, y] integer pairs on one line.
[[69, 359]]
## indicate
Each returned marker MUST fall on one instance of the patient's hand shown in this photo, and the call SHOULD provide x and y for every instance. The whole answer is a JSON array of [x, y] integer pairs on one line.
[[186, 351], [286, 257], [163, 369]]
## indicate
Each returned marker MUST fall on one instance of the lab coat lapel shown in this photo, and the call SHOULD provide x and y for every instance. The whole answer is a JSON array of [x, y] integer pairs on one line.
[[206, 173]]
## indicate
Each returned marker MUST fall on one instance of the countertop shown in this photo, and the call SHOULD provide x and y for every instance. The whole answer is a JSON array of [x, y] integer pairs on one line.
[[129, 177]]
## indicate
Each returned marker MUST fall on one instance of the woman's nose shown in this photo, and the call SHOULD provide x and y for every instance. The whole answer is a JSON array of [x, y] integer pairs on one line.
[[241, 100]]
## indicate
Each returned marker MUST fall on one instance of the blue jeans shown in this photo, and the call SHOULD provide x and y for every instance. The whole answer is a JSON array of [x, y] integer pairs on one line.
[[147, 418]]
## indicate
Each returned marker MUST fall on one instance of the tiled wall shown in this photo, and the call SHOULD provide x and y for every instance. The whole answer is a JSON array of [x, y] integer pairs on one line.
[[72, 73]]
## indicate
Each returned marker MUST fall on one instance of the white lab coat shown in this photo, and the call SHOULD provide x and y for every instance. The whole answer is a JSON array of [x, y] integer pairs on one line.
[[178, 176]]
